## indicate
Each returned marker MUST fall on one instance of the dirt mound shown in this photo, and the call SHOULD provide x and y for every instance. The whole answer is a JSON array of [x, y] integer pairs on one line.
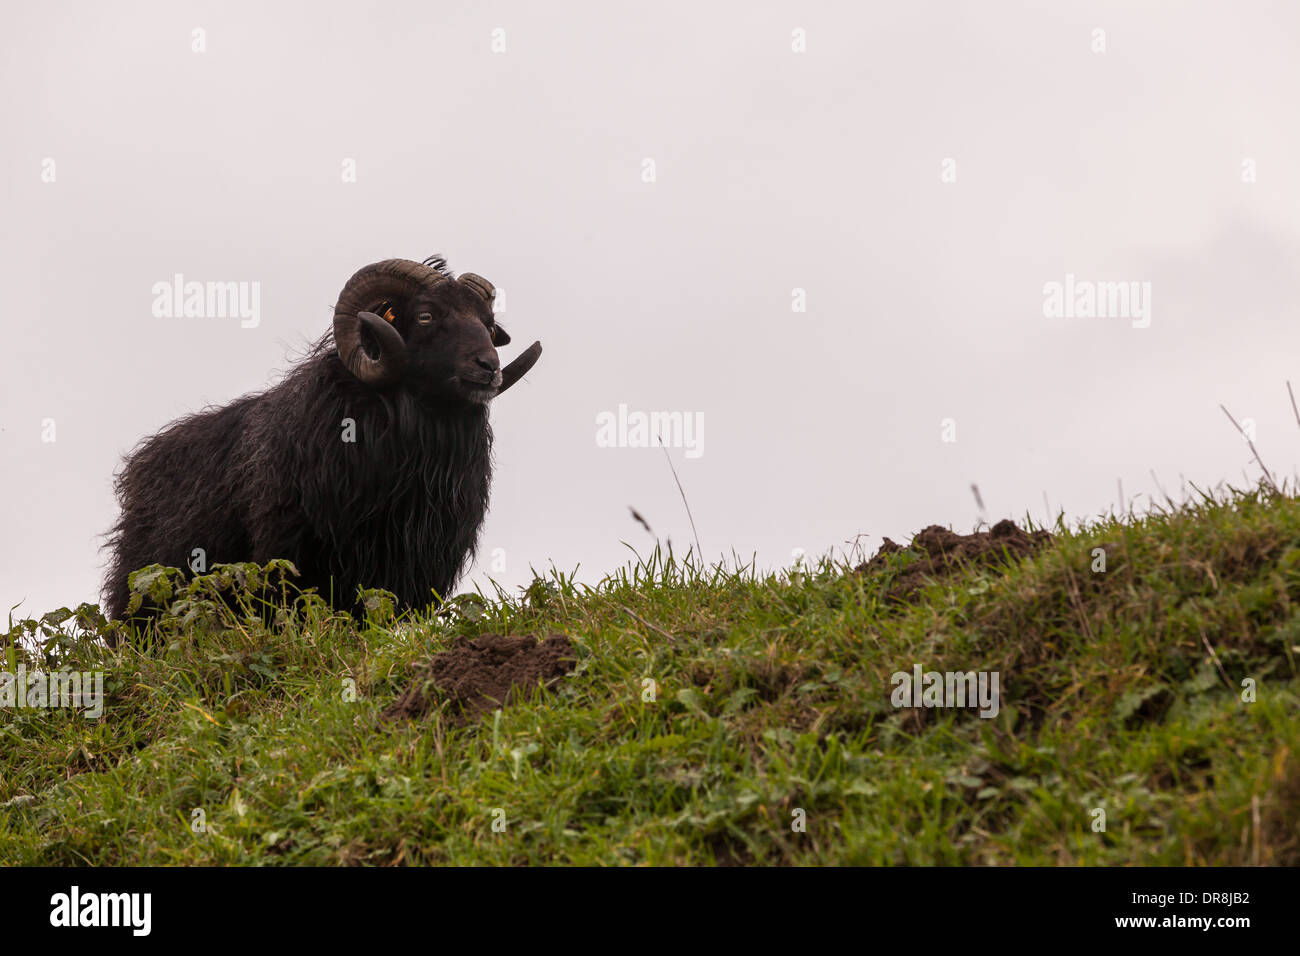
[[483, 673], [942, 552]]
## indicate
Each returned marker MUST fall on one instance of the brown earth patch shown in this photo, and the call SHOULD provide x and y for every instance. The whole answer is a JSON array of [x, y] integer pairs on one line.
[[483, 673], [941, 552], [1279, 833]]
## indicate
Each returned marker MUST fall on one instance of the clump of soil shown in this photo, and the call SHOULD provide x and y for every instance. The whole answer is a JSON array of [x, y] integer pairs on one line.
[[942, 552], [1279, 835], [486, 672]]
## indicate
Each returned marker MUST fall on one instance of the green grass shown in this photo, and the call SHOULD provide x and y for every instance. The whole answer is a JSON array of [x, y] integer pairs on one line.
[[772, 696]]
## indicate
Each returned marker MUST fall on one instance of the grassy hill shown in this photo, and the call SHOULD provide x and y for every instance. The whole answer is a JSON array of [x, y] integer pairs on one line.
[[708, 714]]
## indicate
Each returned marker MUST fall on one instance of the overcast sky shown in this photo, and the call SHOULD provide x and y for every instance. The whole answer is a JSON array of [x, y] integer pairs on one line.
[[821, 231]]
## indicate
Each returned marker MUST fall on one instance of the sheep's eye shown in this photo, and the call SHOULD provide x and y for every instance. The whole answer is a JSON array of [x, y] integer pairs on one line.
[[424, 318]]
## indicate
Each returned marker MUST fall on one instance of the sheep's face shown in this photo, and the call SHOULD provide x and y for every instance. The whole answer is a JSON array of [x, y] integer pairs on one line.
[[451, 338], [407, 324]]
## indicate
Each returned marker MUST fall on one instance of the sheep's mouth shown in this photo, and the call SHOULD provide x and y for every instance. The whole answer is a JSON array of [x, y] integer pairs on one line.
[[478, 387], [479, 391]]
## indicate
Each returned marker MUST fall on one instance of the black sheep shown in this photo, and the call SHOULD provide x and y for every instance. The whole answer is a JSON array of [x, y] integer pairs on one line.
[[367, 465]]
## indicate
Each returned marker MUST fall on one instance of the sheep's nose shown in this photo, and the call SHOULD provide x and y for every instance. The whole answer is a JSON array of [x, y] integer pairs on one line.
[[489, 364]]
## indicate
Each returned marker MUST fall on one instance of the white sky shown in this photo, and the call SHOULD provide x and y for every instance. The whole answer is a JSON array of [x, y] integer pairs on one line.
[[774, 170]]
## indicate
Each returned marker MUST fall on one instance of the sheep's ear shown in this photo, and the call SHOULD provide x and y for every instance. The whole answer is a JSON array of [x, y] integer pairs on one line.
[[500, 336]]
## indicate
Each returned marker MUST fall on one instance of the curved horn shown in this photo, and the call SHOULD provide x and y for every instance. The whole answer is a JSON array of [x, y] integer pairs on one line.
[[392, 350], [362, 293], [482, 288], [520, 366]]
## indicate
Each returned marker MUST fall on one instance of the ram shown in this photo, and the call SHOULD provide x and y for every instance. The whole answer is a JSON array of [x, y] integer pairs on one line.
[[368, 465]]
